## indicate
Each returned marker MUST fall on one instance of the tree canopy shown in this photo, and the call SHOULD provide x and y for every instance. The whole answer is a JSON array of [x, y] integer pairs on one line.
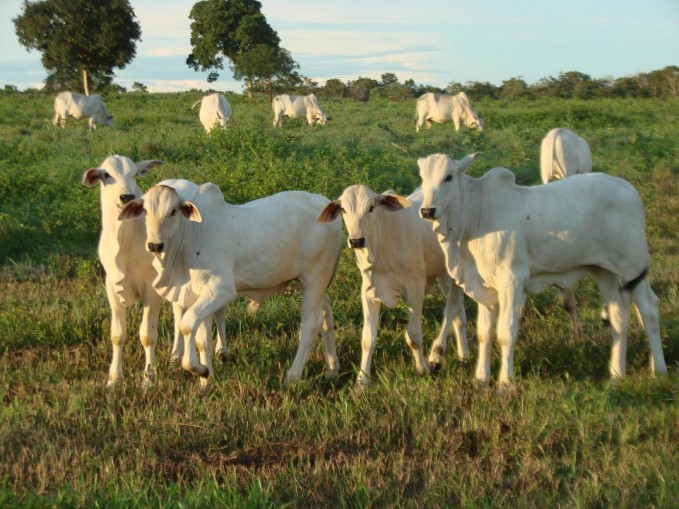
[[238, 31], [79, 37]]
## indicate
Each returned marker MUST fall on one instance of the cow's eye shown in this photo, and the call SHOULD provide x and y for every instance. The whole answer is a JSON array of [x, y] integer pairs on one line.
[[174, 211], [372, 207], [107, 176], [449, 178]]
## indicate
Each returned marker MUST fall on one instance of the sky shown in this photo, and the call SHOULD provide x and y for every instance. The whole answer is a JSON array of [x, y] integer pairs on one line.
[[433, 42]]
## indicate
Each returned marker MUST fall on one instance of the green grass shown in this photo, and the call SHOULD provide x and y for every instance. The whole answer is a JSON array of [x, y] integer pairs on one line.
[[564, 437]]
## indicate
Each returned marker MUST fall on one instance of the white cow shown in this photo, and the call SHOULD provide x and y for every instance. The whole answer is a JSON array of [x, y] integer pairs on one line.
[[208, 252], [443, 108], [78, 106], [562, 154], [398, 256], [294, 106], [502, 241], [214, 110]]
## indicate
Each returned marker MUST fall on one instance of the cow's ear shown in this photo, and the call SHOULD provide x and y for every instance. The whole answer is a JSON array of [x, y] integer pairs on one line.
[[132, 209], [190, 211], [330, 212], [392, 201], [466, 162], [92, 176], [143, 167]]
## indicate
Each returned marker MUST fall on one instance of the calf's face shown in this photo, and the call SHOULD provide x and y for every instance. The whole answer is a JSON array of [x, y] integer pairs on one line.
[[118, 178], [441, 183], [163, 210], [357, 205]]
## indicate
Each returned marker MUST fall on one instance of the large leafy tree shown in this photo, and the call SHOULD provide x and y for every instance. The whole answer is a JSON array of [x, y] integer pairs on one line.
[[268, 68], [236, 30], [77, 37]]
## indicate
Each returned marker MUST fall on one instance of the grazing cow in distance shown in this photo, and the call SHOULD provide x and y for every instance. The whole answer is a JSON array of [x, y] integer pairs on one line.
[[214, 110], [207, 252], [78, 106], [443, 108], [294, 106], [398, 256], [562, 154], [502, 241]]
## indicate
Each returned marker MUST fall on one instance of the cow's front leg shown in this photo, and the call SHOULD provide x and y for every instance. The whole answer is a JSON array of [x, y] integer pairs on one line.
[[118, 336], [210, 300], [511, 308], [371, 321], [148, 335], [485, 325], [415, 299], [454, 313]]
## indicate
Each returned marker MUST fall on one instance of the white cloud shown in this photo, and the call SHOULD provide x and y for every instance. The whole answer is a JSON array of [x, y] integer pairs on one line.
[[167, 52]]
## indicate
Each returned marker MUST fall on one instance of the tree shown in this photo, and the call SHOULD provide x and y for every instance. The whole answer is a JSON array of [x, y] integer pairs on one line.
[[335, 88], [77, 37], [234, 29], [263, 65], [360, 89]]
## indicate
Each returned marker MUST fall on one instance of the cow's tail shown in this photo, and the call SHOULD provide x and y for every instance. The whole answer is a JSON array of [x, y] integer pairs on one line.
[[547, 158], [631, 285], [196, 103]]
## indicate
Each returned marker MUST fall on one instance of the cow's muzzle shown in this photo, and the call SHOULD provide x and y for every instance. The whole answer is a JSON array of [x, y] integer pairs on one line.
[[428, 213], [357, 243], [126, 198], [156, 247]]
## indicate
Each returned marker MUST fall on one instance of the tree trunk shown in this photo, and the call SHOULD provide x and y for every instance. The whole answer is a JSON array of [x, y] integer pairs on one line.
[[85, 87], [249, 85]]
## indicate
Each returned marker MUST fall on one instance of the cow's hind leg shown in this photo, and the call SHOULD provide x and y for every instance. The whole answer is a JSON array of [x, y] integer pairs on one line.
[[646, 304], [328, 333], [618, 304], [311, 311]]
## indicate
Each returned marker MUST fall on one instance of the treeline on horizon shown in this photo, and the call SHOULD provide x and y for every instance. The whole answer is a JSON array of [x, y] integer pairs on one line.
[[659, 84]]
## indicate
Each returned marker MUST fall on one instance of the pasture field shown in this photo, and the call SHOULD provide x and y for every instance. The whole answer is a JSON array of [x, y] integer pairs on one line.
[[564, 437]]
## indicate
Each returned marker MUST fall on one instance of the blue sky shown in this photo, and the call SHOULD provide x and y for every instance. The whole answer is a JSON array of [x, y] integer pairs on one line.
[[433, 42]]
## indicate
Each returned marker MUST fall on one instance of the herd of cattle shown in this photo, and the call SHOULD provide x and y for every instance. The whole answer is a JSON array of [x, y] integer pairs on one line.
[[487, 237]]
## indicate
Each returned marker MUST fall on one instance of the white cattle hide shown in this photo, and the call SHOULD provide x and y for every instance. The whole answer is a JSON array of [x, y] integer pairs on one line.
[[215, 111], [293, 106], [443, 108], [207, 252], [562, 154], [502, 241], [78, 106], [399, 257]]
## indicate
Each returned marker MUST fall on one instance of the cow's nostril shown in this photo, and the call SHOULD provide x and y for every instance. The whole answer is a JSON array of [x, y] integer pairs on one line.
[[125, 198], [428, 213], [357, 243], [155, 247]]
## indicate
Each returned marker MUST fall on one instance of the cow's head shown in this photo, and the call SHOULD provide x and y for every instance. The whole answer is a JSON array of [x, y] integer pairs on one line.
[[321, 118], [118, 178], [163, 209], [441, 183], [359, 206]]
